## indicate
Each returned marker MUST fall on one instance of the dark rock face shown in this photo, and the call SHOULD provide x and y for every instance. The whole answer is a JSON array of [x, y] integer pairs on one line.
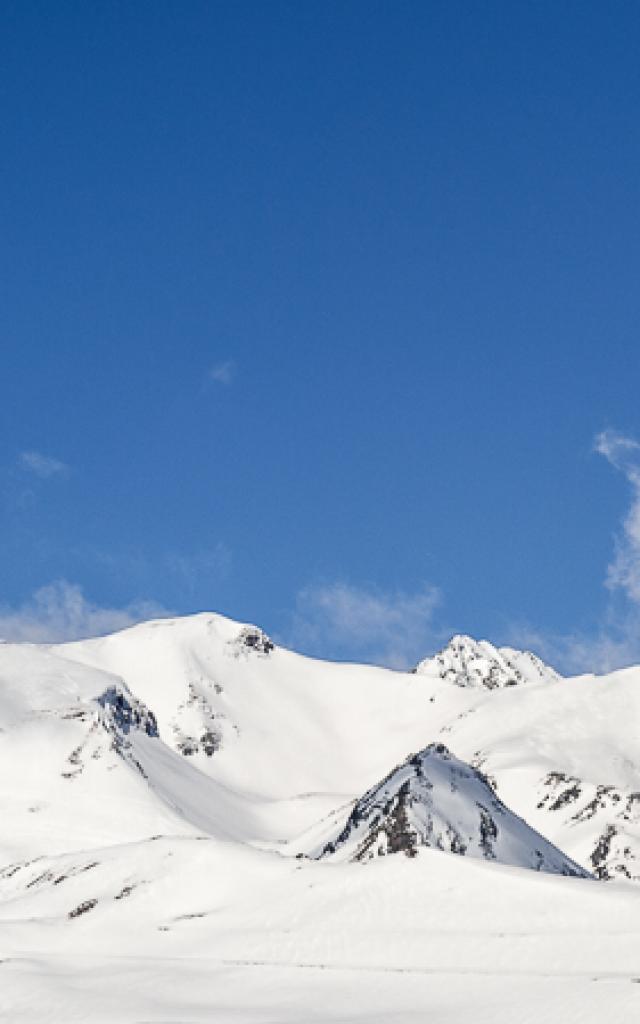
[[435, 800], [602, 852], [121, 715], [126, 713], [393, 823], [209, 742], [209, 739], [82, 908], [616, 852], [115, 716], [253, 639], [488, 833]]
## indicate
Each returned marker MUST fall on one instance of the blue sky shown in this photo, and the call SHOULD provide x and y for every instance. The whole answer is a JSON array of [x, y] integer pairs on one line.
[[313, 314]]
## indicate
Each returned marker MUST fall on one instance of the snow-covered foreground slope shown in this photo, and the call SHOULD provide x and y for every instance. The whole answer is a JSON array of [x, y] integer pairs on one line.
[[200, 930], [156, 785]]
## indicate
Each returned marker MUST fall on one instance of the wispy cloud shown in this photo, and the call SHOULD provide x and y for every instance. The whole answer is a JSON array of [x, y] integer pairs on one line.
[[624, 571], [60, 611], [43, 466], [223, 373], [611, 644], [191, 570], [184, 570], [366, 624], [614, 641]]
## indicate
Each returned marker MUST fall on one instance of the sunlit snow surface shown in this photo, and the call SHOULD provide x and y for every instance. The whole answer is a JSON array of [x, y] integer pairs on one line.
[[156, 786]]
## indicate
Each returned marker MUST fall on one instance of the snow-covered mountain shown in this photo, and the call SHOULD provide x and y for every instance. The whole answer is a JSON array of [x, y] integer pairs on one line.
[[159, 783], [259, 743], [468, 662], [436, 801]]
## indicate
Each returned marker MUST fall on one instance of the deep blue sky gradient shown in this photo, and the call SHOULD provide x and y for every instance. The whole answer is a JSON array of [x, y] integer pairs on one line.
[[413, 229]]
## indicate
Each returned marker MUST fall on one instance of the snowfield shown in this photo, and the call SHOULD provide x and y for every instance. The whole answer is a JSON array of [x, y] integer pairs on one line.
[[165, 793]]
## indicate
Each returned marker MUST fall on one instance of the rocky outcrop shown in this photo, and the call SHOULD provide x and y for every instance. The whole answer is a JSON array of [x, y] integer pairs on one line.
[[207, 737], [477, 663], [121, 714], [614, 812], [124, 712], [252, 639]]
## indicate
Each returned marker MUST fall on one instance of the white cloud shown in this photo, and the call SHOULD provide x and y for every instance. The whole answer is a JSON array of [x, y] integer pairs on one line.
[[223, 373], [624, 572], [394, 629], [60, 611], [608, 646], [615, 640], [43, 466]]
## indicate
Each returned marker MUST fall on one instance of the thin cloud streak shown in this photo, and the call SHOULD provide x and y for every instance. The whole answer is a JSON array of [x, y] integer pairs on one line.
[[388, 628], [609, 646], [43, 466], [191, 570], [623, 573], [223, 373], [60, 611], [614, 642]]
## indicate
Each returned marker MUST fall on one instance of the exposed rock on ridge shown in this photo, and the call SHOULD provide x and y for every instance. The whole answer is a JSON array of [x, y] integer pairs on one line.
[[616, 851], [477, 663]]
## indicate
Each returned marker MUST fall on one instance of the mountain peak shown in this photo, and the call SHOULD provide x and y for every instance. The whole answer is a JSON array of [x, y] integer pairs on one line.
[[477, 663], [435, 800]]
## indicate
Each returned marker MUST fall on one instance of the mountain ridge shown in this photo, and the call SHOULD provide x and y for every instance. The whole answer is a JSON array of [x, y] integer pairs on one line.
[[277, 740]]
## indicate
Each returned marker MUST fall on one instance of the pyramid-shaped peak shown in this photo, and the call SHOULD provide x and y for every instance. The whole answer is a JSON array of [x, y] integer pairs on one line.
[[436, 800]]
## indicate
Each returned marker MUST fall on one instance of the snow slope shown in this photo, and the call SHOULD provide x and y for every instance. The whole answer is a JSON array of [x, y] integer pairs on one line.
[[63, 783], [187, 929], [295, 736]]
